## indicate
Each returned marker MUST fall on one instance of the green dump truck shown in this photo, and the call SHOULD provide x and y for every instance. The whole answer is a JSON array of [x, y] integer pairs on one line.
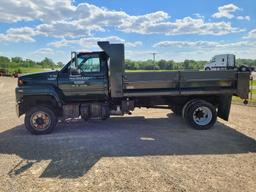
[[95, 85]]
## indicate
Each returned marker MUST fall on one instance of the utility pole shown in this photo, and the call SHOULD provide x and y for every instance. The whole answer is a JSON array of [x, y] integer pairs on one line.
[[154, 56]]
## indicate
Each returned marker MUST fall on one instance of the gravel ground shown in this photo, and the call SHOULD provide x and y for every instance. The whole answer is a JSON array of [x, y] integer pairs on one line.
[[147, 151]]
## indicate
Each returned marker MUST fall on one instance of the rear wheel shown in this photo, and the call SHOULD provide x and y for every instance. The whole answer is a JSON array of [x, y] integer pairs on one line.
[[201, 115], [207, 69], [85, 112], [40, 120], [187, 106]]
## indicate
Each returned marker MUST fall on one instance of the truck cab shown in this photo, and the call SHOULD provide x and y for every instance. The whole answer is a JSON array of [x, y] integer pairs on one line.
[[221, 62]]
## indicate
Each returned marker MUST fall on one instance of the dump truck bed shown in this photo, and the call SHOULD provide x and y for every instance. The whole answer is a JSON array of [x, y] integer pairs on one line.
[[186, 83]]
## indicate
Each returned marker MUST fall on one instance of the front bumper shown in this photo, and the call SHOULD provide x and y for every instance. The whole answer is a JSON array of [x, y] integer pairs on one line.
[[19, 106], [18, 110]]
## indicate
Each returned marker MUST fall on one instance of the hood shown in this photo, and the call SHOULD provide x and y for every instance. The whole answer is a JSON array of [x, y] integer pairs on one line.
[[40, 78]]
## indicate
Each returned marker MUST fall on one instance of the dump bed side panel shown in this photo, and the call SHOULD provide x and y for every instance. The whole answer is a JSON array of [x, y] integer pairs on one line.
[[207, 82], [180, 83], [151, 80]]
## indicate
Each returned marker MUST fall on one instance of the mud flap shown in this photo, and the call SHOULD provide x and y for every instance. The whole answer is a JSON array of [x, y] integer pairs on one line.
[[224, 106]]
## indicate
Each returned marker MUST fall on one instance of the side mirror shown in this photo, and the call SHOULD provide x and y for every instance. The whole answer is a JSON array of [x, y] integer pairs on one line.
[[74, 56]]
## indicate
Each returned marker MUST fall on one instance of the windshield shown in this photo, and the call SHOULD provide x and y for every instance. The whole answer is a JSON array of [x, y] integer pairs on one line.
[[212, 60]]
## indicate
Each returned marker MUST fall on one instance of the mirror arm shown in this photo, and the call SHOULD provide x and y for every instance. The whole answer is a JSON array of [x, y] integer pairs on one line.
[[74, 56]]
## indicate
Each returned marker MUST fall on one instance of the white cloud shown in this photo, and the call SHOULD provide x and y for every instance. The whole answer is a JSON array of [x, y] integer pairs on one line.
[[248, 18], [203, 44], [198, 15], [226, 11], [91, 42], [189, 25], [201, 50], [15, 38], [133, 44], [23, 34], [186, 44], [45, 10], [62, 19], [44, 52], [61, 29], [251, 34]]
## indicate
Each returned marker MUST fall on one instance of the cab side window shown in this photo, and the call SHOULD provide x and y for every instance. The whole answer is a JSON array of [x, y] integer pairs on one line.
[[91, 65]]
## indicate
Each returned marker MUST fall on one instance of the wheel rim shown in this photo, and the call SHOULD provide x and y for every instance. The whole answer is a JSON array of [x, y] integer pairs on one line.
[[40, 120], [202, 116]]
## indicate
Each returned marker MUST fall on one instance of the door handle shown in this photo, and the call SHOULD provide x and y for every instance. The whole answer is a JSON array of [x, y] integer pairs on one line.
[[79, 82]]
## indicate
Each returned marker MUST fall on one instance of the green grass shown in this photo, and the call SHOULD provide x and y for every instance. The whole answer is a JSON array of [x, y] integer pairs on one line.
[[254, 83], [253, 91], [238, 100]]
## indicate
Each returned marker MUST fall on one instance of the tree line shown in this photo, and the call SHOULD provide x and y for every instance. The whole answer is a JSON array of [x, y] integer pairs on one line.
[[17, 63], [172, 65], [164, 65]]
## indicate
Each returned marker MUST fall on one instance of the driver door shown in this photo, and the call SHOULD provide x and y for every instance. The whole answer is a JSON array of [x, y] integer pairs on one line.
[[86, 81]]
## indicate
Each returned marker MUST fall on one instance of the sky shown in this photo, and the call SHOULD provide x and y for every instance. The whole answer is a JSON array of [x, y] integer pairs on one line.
[[174, 29]]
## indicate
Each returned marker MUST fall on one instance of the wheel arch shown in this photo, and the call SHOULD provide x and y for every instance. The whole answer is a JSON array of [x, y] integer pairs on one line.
[[29, 101]]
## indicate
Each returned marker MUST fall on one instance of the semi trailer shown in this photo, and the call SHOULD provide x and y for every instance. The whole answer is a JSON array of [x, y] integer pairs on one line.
[[94, 85]]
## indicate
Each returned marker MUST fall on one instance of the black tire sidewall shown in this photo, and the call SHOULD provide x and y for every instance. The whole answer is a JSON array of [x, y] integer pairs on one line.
[[243, 68], [45, 109], [188, 105], [193, 107]]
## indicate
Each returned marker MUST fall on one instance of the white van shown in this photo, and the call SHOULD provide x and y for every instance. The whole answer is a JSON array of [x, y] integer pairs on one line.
[[221, 62]]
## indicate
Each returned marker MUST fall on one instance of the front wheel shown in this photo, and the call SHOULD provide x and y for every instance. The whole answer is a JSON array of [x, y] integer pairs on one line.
[[40, 120], [201, 115]]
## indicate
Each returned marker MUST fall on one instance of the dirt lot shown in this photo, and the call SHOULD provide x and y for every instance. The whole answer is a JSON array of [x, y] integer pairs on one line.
[[148, 151]]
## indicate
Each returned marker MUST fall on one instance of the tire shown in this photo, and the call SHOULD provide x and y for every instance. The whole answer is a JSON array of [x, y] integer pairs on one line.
[[85, 112], [201, 115], [105, 112], [243, 68], [207, 69], [187, 106], [40, 120]]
